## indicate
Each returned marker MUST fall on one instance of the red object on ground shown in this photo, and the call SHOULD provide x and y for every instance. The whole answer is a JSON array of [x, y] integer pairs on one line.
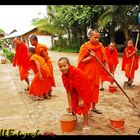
[[112, 89], [117, 124], [67, 123]]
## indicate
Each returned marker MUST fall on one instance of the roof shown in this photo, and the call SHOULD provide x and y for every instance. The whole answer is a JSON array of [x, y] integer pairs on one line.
[[20, 33]]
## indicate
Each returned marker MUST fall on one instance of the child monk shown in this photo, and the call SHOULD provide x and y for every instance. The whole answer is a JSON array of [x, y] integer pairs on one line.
[[21, 59], [78, 88], [42, 50], [41, 84], [127, 65], [112, 58], [90, 66]]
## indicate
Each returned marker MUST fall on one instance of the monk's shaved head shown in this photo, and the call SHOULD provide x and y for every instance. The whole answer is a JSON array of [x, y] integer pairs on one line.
[[34, 37], [91, 32], [32, 50], [131, 41], [64, 59], [16, 40]]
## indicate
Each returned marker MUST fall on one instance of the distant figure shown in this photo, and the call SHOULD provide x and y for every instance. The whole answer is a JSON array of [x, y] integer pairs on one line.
[[41, 82], [21, 59], [127, 65], [42, 50], [10, 47], [78, 88], [112, 58]]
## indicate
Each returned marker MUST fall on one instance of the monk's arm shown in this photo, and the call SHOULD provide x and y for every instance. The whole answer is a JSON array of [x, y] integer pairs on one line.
[[91, 54], [87, 59], [14, 60], [130, 55], [39, 70], [69, 100]]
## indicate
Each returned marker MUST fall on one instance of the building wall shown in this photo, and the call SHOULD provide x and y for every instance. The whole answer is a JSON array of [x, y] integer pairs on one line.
[[42, 38]]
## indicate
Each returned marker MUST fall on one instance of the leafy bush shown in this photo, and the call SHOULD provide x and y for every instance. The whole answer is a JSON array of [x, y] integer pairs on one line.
[[10, 56], [5, 50], [74, 48]]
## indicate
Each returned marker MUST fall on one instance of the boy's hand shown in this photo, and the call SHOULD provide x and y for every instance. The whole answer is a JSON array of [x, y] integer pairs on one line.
[[92, 53], [69, 110]]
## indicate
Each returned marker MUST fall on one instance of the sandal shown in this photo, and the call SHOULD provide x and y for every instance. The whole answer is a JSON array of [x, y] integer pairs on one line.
[[27, 88], [37, 98], [50, 93], [102, 89], [96, 111], [46, 96], [85, 130]]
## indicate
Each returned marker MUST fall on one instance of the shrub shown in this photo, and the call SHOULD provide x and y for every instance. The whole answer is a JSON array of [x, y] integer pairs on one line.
[[10, 56], [5, 50]]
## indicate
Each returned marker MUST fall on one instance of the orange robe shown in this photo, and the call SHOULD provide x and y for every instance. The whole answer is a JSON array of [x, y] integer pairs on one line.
[[38, 49], [21, 59], [39, 87], [112, 58], [78, 84], [92, 68], [126, 62]]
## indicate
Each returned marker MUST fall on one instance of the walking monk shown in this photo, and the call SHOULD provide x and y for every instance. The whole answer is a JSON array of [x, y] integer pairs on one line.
[[41, 82], [78, 88], [21, 59], [42, 50], [127, 65], [90, 66], [112, 58]]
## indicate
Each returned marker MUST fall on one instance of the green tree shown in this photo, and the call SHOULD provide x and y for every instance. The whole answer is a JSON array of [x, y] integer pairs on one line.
[[51, 24], [2, 31], [122, 16], [78, 18]]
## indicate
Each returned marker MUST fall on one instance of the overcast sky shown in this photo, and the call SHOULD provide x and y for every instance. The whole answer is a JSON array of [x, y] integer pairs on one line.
[[19, 16]]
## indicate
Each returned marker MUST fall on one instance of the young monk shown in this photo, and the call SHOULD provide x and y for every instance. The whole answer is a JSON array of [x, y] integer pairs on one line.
[[42, 50], [90, 66], [127, 65], [21, 59], [41, 82], [78, 88], [112, 58]]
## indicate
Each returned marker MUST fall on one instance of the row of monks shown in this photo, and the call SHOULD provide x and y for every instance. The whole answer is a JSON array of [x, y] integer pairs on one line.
[[81, 82]]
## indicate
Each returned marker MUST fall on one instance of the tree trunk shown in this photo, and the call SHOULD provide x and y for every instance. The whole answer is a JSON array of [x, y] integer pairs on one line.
[[126, 32], [52, 40], [60, 40], [69, 38], [112, 33], [112, 37]]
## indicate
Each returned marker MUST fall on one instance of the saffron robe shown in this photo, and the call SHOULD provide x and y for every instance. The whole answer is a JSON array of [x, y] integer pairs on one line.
[[127, 62], [92, 68], [78, 84], [38, 49], [39, 87], [21, 59], [112, 59]]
